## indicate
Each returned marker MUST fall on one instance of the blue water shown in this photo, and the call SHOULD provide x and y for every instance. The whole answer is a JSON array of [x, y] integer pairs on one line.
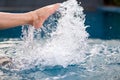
[[103, 64], [61, 50]]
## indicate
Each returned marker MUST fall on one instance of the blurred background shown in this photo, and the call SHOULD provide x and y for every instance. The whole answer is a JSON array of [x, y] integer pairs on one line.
[[103, 16]]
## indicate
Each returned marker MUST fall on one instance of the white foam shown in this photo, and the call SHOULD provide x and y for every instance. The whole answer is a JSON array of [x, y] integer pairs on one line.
[[65, 43], [65, 46]]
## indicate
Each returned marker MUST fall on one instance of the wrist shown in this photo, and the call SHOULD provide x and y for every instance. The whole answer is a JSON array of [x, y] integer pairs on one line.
[[32, 17], [28, 18]]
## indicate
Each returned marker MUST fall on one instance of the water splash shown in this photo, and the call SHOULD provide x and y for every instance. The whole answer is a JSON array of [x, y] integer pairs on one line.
[[61, 41]]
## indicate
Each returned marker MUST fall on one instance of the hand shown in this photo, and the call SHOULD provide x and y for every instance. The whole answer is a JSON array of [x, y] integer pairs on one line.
[[40, 15]]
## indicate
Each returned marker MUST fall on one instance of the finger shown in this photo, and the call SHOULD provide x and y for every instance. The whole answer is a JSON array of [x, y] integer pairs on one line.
[[38, 23], [52, 8]]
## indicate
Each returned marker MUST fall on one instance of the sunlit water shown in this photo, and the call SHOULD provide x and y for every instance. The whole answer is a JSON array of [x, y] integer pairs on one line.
[[60, 50]]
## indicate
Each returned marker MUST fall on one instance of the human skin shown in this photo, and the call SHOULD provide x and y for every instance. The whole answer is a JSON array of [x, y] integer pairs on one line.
[[35, 18]]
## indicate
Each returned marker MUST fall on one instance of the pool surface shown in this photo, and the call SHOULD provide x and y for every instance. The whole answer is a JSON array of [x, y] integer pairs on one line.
[[103, 63], [62, 49]]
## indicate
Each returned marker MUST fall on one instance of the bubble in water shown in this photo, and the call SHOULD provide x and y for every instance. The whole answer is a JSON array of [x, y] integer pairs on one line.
[[61, 41]]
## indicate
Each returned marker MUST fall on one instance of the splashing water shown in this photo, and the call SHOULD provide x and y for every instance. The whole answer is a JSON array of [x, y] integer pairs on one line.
[[62, 45]]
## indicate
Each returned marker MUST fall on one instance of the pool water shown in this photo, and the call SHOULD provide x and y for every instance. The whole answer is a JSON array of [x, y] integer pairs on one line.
[[60, 50], [102, 62]]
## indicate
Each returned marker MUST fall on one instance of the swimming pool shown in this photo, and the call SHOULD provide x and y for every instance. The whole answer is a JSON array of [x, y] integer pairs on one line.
[[61, 50], [103, 64]]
